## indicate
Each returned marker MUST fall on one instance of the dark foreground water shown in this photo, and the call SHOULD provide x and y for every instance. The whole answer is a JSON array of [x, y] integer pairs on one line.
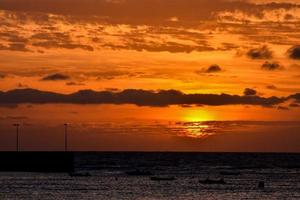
[[280, 172]]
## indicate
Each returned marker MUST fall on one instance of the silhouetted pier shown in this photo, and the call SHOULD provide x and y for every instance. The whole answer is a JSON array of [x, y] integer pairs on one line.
[[37, 161]]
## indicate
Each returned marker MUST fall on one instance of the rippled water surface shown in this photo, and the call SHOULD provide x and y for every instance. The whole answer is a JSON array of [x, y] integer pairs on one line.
[[280, 172]]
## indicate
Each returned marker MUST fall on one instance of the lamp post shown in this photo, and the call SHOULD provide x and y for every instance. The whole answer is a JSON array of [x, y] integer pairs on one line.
[[17, 135], [66, 136]]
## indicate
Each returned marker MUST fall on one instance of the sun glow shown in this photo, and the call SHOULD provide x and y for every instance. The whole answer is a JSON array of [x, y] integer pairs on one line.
[[197, 115]]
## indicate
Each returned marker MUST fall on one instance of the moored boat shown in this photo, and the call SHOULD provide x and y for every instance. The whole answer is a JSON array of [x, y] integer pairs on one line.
[[212, 181], [156, 178]]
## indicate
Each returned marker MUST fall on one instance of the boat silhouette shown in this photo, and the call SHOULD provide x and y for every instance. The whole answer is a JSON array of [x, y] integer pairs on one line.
[[156, 178], [212, 181]]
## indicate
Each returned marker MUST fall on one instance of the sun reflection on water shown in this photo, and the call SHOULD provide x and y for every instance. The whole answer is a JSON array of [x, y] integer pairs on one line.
[[195, 124], [198, 129]]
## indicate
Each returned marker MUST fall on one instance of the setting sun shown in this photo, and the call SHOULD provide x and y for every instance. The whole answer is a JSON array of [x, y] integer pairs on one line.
[[197, 115]]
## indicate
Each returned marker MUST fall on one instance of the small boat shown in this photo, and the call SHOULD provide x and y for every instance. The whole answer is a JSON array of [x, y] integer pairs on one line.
[[261, 184], [138, 173], [230, 173], [79, 174], [211, 181], [155, 178]]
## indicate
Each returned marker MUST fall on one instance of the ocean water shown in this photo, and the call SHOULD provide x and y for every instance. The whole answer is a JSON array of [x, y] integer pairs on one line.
[[280, 172]]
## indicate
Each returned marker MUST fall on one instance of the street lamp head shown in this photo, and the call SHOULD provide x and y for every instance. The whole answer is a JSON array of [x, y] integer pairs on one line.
[[16, 124], [65, 124]]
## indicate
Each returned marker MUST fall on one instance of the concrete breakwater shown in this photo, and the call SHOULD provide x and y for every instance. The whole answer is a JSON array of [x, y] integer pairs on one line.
[[37, 161]]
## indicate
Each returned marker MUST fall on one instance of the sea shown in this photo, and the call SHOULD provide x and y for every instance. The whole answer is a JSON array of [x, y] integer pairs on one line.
[[241, 172]]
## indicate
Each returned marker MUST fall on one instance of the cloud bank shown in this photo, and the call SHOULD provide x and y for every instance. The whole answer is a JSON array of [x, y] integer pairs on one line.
[[140, 98]]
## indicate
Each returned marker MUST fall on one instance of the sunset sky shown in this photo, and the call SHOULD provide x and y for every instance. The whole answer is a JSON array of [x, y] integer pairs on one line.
[[151, 75]]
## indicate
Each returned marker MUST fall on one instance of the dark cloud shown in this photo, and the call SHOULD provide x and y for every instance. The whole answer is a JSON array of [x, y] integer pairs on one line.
[[271, 87], [250, 92], [136, 97], [271, 66], [55, 77], [294, 52], [213, 69], [71, 83], [260, 53], [295, 97]]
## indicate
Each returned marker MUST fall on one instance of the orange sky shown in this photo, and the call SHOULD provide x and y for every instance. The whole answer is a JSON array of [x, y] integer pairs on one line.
[[206, 47]]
